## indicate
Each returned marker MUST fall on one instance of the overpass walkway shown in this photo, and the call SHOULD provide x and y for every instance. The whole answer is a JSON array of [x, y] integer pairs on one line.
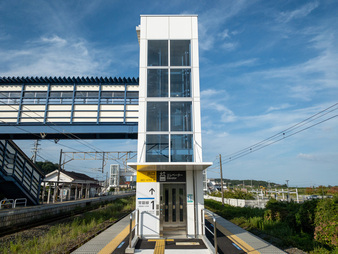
[[65, 107]]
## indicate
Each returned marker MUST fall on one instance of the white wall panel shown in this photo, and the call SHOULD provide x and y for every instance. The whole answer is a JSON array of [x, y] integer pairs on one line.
[[52, 120], [194, 53], [132, 88], [157, 28], [58, 114], [132, 107], [10, 88], [9, 107], [32, 114], [112, 114], [13, 120], [87, 88], [84, 119], [194, 28], [118, 120], [85, 114], [36, 88], [59, 107], [112, 107], [33, 107], [180, 27], [8, 114], [31, 120], [85, 107], [131, 114], [61, 88]]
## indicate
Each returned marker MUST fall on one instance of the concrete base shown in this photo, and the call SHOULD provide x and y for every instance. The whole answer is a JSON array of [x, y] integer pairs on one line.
[[27, 215]]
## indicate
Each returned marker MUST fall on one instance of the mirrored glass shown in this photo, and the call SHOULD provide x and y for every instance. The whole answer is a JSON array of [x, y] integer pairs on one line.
[[157, 116], [157, 53], [157, 83], [182, 148], [157, 148], [180, 116], [180, 82], [180, 53]]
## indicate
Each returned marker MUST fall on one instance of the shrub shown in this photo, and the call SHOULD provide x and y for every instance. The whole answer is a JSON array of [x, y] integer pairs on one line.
[[326, 222]]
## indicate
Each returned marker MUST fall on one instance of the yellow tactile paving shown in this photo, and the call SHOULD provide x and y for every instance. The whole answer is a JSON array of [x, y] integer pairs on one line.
[[112, 245], [159, 247]]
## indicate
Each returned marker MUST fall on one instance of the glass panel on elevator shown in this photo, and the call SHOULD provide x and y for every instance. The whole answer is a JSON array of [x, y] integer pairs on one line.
[[180, 53], [173, 204], [157, 116], [157, 53], [180, 80], [166, 205], [180, 116], [157, 83], [180, 193], [157, 148], [181, 148]]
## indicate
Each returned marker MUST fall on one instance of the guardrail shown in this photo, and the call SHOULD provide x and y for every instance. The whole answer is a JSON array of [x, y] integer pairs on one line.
[[131, 228], [20, 201], [11, 203], [203, 211]]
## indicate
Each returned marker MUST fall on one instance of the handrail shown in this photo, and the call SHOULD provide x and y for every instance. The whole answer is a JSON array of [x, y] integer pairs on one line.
[[20, 201], [131, 228], [205, 227]]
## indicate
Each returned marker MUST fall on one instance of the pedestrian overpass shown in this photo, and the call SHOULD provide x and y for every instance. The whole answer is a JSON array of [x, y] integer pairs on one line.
[[65, 107], [59, 108]]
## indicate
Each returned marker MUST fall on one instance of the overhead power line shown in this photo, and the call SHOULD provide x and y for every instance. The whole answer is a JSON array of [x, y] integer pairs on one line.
[[289, 132], [56, 128]]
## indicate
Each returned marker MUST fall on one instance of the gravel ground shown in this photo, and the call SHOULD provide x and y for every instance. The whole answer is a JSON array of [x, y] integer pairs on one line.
[[294, 251]]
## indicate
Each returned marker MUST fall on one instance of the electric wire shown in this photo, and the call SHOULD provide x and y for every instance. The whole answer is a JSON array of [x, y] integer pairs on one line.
[[61, 131], [284, 132], [242, 154]]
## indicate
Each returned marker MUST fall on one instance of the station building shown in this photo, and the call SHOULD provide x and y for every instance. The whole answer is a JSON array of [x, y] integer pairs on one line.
[[169, 188]]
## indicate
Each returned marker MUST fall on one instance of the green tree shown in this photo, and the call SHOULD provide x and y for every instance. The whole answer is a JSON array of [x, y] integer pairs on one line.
[[46, 166]]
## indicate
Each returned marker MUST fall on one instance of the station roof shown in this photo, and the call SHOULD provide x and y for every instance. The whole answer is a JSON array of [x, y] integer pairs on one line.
[[67, 80], [170, 166]]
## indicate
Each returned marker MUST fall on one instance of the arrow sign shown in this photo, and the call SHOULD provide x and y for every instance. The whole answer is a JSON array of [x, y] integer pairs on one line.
[[151, 191]]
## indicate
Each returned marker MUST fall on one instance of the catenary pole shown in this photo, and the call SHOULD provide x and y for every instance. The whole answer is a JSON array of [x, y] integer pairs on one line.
[[221, 171]]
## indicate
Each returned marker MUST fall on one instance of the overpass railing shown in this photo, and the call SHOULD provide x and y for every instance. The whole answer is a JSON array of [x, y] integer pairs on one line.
[[17, 168]]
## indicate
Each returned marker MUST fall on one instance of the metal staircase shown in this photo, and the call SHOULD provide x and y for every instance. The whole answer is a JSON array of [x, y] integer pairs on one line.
[[19, 177]]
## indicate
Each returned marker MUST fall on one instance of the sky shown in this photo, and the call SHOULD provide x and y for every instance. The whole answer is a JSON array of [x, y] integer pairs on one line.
[[265, 66]]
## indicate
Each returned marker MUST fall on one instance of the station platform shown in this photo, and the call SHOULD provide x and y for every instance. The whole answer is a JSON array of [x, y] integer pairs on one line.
[[231, 239]]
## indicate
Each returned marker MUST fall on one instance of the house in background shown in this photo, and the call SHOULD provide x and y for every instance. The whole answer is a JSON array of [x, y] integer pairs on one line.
[[72, 186]]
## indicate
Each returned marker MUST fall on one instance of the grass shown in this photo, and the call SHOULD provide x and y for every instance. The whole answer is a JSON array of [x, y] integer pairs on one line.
[[62, 236]]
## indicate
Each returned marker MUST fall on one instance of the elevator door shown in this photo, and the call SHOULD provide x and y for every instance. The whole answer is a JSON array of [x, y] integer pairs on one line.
[[173, 208]]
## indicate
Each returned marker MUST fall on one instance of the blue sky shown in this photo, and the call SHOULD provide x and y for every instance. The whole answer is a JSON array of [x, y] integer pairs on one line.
[[264, 66]]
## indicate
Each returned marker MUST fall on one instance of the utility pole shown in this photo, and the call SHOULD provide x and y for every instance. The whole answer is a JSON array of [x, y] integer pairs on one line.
[[35, 150], [56, 190], [221, 171]]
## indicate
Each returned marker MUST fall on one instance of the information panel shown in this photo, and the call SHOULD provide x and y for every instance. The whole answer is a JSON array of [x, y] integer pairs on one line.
[[146, 176], [171, 176]]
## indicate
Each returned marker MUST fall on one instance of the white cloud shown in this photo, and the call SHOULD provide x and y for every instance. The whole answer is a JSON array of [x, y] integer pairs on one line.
[[54, 39], [280, 107], [299, 13], [213, 19], [304, 156], [58, 56]]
